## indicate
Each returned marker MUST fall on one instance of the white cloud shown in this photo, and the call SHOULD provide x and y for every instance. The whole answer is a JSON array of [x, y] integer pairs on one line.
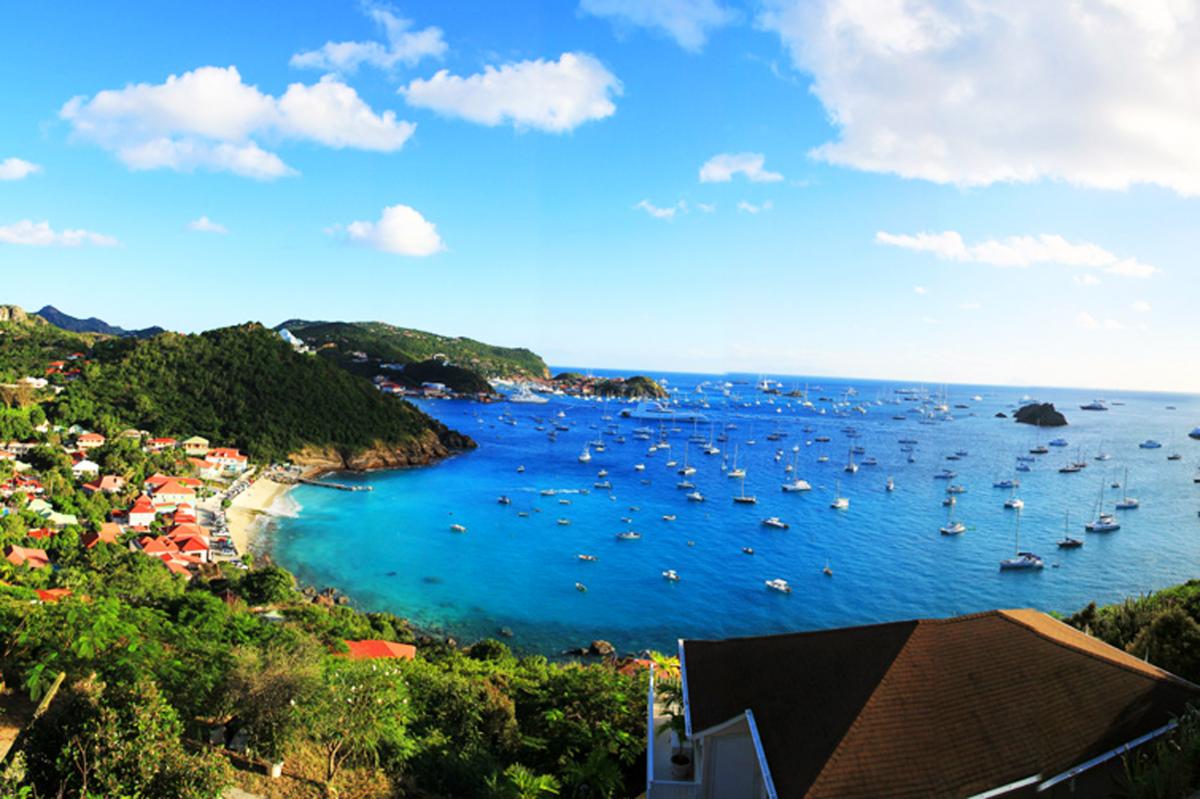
[[404, 46], [659, 212], [208, 118], [206, 225], [553, 96], [1018, 251], [1141, 306], [722, 168], [1099, 94], [1088, 322], [1086, 280], [688, 22], [400, 230], [707, 208], [920, 290], [39, 234], [17, 168], [751, 208], [970, 306]]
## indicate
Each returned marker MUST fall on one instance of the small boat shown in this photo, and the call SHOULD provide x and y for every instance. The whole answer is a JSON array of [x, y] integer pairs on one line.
[[1070, 468], [1127, 502], [1103, 523], [1014, 503], [779, 584], [1067, 542], [671, 575], [776, 522], [683, 485], [587, 558], [523, 514], [1039, 450], [639, 467], [945, 474], [839, 502], [1150, 443], [949, 502], [562, 522], [736, 473], [747, 550], [1006, 484], [668, 517], [565, 501], [828, 572], [629, 535], [585, 456], [602, 473], [580, 587], [1058, 442], [604, 485], [796, 485], [457, 528], [890, 485], [504, 500], [1094, 405], [823, 459], [1021, 560], [695, 496], [953, 528], [1174, 456], [955, 488], [743, 498], [1195, 434]]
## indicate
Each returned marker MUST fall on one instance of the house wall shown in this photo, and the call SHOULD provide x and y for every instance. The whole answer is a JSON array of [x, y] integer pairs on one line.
[[730, 765]]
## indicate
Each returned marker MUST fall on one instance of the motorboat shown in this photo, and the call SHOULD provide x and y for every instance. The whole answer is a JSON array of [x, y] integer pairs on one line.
[[949, 502], [1039, 450], [639, 467], [504, 500], [828, 572], [890, 485], [779, 584], [1058, 442], [603, 485], [1150, 443], [953, 528], [671, 575], [684, 485], [775, 522], [659, 412], [1007, 484], [796, 485], [629, 535], [587, 558], [581, 588], [1094, 405], [526, 396], [1014, 503], [747, 550], [1195, 434], [669, 517], [945, 474], [457, 528], [955, 488], [695, 496]]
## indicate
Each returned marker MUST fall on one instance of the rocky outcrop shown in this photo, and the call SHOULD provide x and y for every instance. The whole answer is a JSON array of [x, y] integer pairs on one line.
[[429, 447], [13, 313], [1040, 414], [636, 387], [1001, 415]]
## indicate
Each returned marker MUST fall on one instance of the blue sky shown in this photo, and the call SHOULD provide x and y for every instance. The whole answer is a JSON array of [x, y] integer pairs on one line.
[[898, 190]]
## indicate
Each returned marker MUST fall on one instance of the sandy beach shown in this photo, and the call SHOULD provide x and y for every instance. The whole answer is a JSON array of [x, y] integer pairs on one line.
[[245, 515]]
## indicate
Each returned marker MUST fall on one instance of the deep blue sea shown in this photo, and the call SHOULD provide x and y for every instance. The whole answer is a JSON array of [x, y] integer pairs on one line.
[[393, 549]]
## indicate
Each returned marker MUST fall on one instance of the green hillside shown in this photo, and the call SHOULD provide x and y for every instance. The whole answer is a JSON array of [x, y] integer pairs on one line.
[[393, 344], [240, 386]]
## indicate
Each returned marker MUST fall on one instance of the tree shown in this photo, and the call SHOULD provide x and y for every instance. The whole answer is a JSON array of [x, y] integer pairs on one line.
[[518, 782], [1171, 641], [359, 711], [117, 740], [268, 585], [264, 690]]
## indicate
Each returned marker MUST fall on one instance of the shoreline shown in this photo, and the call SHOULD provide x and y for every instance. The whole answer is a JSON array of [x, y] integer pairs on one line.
[[249, 511]]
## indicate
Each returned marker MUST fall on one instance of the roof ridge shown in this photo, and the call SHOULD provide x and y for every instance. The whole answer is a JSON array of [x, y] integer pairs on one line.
[[858, 718], [1007, 615]]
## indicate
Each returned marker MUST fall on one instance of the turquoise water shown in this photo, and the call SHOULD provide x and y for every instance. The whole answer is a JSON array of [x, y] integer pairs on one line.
[[392, 548]]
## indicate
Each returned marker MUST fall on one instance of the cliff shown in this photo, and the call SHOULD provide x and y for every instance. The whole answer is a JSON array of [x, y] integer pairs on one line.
[[427, 447]]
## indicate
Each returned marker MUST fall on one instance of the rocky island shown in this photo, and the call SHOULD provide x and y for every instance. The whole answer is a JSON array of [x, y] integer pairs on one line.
[[1041, 414]]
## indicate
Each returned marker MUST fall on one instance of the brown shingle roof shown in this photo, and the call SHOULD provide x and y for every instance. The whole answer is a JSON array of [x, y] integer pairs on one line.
[[938, 707]]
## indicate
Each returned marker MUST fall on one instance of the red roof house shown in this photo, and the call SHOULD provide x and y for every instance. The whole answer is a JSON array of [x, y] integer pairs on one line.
[[371, 648], [33, 558]]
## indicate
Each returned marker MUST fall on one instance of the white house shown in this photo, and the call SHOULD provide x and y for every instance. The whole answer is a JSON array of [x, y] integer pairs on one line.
[[85, 467]]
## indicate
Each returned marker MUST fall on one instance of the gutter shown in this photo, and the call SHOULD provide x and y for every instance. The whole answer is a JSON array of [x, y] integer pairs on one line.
[[768, 783]]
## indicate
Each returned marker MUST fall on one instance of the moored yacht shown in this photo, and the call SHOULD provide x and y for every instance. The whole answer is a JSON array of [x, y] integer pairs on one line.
[[779, 584], [776, 522]]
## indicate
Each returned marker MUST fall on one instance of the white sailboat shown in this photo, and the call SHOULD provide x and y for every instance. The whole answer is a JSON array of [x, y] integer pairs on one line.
[[1021, 560], [1127, 502], [839, 502]]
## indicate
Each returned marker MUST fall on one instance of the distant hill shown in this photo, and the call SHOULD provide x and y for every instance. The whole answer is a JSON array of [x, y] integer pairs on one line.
[[75, 324], [29, 343], [246, 387], [392, 344]]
